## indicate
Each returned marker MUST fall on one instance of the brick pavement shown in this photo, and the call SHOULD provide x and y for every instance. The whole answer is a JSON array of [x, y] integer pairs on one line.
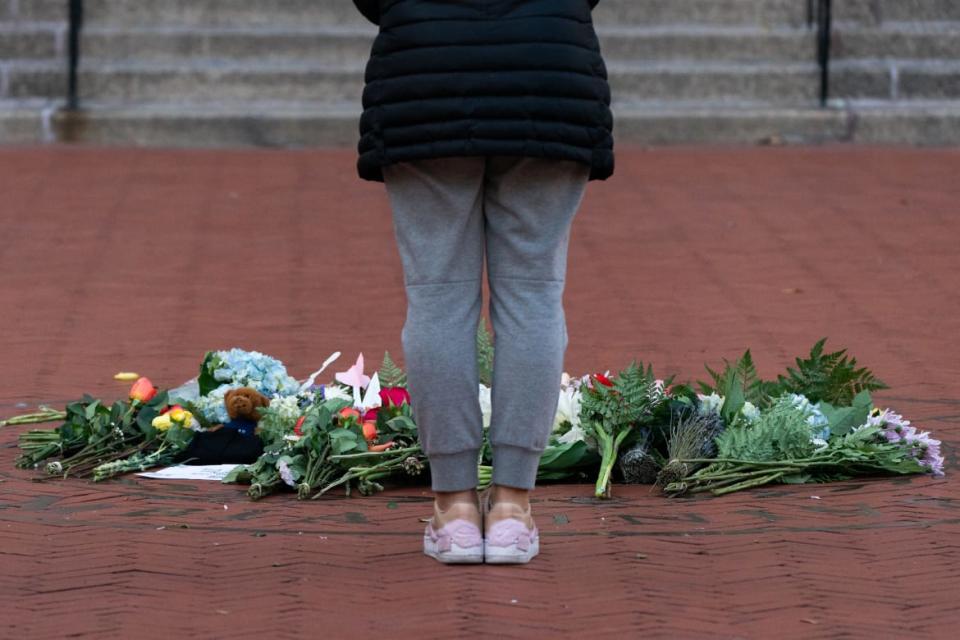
[[123, 259]]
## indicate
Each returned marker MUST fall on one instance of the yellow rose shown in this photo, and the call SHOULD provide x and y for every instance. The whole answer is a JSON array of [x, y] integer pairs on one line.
[[178, 415], [162, 422]]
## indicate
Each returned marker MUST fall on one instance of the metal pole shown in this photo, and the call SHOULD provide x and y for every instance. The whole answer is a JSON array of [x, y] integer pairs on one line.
[[824, 37], [75, 9]]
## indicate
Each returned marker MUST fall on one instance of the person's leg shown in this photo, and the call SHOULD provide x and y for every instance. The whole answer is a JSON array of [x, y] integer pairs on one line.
[[530, 204], [438, 224]]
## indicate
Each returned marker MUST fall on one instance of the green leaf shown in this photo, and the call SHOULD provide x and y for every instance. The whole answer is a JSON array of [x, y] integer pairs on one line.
[[843, 419], [733, 400], [562, 457], [91, 410], [240, 473], [402, 423], [343, 440], [205, 381]]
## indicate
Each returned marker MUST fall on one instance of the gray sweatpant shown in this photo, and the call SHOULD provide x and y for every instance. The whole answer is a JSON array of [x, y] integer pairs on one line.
[[448, 212]]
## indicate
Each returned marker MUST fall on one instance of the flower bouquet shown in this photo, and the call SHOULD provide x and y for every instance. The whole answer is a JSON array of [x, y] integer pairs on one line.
[[94, 434], [815, 423]]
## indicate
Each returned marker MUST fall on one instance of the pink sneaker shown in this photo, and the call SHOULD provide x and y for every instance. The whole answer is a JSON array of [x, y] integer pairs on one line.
[[457, 542], [511, 542]]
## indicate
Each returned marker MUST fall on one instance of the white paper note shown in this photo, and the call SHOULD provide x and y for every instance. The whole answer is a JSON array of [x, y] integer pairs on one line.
[[191, 472]]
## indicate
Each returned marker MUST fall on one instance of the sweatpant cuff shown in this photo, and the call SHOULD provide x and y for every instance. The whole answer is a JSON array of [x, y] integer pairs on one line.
[[515, 466], [454, 471]]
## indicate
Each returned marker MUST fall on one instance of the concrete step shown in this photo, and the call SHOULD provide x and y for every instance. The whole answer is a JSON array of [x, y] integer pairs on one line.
[[22, 121], [875, 12], [33, 79], [703, 12], [652, 122], [895, 79], [610, 12], [342, 44], [278, 124], [330, 12], [913, 40], [776, 83], [35, 42], [919, 122]]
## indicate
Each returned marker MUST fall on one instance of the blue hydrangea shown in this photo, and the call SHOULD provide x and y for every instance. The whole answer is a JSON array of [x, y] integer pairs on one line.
[[212, 406], [819, 425], [254, 369]]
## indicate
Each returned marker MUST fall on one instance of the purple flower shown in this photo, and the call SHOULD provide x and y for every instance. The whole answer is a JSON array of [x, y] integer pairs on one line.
[[921, 446]]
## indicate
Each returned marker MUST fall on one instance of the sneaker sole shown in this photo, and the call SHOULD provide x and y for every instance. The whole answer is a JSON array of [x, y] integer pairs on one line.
[[510, 555], [456, 554]]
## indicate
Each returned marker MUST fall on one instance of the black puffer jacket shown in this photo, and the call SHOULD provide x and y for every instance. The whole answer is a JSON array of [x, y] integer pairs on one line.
[[484, 77]]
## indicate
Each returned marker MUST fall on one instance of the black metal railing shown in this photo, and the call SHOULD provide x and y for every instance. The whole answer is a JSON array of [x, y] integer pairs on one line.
[[820, 13], [75, 12]]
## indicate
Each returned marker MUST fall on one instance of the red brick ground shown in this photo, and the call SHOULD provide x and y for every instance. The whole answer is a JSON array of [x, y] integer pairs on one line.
[[141, 260]]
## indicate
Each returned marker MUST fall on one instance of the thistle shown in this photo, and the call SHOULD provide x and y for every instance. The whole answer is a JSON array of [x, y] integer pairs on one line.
[[640, 464], [692, 436]]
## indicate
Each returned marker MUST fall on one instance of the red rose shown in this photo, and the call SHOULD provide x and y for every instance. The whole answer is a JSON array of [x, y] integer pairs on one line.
[[370, 415], [602, 379], [394, 396]]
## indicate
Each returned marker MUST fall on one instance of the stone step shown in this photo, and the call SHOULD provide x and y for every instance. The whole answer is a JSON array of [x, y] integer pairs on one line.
[[934, 40], [655, 122], [712, 12], [36, 42], [895, 79], [609, 12], [881, 11], [794, 83], [330, 12], [343, 44], [785, 84], [22, 121]]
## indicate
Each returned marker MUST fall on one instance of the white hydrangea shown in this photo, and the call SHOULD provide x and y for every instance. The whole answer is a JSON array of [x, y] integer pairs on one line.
[[286, 408], [750, 412], [710, 403], [714, 402]]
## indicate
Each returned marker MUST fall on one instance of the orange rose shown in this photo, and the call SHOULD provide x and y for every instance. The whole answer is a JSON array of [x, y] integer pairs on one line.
[[349, 412], [369, 430], [142, 390]]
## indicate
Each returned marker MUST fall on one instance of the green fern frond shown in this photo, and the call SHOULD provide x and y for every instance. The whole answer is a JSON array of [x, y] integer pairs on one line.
[[630, 401], [390, 374], [743, 373], [831, 377], [781, 433]]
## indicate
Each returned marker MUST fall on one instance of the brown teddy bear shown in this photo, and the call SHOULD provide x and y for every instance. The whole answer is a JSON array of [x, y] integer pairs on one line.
[[243, 407]]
